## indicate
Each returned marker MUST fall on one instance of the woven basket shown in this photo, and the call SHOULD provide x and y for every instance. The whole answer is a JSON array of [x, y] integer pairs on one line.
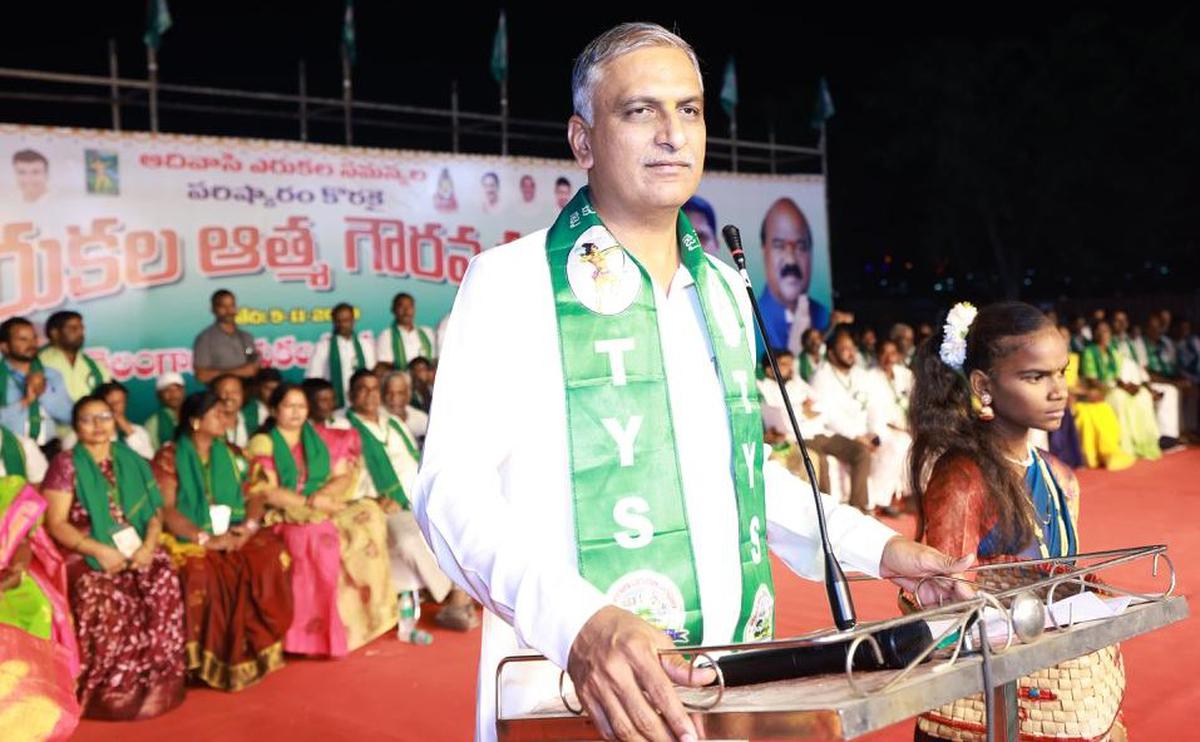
[[1079, 699]]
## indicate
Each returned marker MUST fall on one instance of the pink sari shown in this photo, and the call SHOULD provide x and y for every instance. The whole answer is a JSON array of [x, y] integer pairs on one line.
[[317, 628], [43, 702]]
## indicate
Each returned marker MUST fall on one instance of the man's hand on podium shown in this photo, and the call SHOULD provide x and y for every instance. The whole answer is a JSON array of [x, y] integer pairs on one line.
[[905, 562], [624, 684]]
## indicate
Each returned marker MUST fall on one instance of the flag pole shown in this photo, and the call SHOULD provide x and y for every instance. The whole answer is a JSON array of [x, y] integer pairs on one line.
[[347, 95]]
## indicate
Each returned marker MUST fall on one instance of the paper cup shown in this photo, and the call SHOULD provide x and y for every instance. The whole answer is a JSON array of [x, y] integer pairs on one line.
[[219, 515]]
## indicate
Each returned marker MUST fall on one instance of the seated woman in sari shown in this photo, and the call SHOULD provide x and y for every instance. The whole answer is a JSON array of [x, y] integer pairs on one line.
[[105, 511], [37, 644], [341, 577], [235, 576], [992, 494]]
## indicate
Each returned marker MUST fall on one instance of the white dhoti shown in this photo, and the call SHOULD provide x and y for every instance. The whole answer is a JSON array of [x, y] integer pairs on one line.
[[888, 478], [1167, 409], [413, 564]]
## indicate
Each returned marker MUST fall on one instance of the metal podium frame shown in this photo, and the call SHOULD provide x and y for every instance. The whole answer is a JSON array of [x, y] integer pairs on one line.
[[853, 704]]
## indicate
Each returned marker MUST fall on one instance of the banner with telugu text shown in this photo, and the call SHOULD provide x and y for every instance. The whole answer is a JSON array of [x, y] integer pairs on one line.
[[135, 231]]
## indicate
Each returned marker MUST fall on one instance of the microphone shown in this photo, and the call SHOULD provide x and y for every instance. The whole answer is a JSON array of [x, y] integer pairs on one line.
[[836, 587], [899, 645]]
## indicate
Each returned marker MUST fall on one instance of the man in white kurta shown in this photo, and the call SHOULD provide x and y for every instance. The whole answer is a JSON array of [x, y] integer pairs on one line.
[[414, 341], [856, 407], [494, 494], [319, 366]]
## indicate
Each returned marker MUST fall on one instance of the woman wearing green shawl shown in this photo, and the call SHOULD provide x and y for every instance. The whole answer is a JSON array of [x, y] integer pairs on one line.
[[234, 574], [105, 512], [341, 577]]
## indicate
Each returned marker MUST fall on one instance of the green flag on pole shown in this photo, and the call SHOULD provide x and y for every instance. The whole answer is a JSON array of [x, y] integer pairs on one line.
[[348, 32], [158, 20], [824, 109], [729, 95], [500, 51]]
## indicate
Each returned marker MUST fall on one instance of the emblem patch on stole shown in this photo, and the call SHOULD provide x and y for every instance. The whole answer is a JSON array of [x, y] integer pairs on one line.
[[602, 275], [655, 599], [761, 625]]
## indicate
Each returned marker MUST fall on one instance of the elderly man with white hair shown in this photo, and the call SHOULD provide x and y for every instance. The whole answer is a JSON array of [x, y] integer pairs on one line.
[[619, 504]]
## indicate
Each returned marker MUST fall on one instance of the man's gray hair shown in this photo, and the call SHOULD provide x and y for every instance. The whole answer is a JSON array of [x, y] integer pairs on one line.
[[398, 374], [613, 43]]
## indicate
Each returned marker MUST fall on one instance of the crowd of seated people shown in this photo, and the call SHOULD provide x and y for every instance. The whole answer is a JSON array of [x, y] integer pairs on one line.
[[247, 518], [244, 519], [1133, 392]]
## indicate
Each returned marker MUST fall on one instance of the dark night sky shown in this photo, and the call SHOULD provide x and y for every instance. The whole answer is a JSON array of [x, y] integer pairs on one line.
[[977, 145]]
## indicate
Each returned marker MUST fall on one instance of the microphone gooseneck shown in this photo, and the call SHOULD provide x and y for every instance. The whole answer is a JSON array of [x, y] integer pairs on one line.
[[841, 604]]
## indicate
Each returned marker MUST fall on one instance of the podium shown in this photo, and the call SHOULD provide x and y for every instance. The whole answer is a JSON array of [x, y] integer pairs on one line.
[[846, 706]]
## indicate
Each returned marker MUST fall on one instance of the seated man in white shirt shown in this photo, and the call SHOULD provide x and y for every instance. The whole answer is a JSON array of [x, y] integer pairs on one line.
[[856, 408], [339, 354], [822, 442], [895, 382], [391, 458], [133, 435], [397, 397]]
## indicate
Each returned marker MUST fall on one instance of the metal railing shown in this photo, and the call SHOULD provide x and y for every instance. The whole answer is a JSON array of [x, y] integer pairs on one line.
[[439, 128]]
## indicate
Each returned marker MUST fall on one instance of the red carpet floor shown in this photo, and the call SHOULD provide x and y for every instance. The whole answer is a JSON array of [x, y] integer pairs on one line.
[[393, 691]]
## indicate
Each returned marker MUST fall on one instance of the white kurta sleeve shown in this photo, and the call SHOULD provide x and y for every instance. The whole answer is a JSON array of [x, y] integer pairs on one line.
[[368, 346], [459, 501], [318, 365], [383, 346], [793, 534]]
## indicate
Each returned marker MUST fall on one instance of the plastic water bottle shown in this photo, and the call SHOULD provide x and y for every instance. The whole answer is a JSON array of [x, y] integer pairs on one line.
[[410, 613]]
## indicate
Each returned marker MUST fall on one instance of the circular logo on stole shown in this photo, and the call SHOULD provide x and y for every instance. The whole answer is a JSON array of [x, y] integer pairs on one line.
[[654, 598], [761, 625], [602, 275]]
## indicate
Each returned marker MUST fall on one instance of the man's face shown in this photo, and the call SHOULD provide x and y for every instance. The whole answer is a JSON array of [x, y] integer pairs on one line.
[[562, 194], [22, 343], [528, 189], [787, 367], [116, 402], [232, 397], [491, 188], [225, 308], [343, 322], [70, 335], [904, 339], [843, 352], [397, 395], [811, 342], [404, 309], [32, 178], [868, 340], [324, 403], [1120, 323], [787, 253], [644, 151], [1153, 328], [366, 396], [889, 356], [266, 389], [171, 396], [1103, 334], [704, 230]]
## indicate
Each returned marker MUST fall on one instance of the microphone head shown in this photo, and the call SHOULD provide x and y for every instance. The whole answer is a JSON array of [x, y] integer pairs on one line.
[[733, 240]]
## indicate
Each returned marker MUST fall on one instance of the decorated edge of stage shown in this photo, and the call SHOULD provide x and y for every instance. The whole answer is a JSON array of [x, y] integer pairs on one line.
[[982, 644]]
